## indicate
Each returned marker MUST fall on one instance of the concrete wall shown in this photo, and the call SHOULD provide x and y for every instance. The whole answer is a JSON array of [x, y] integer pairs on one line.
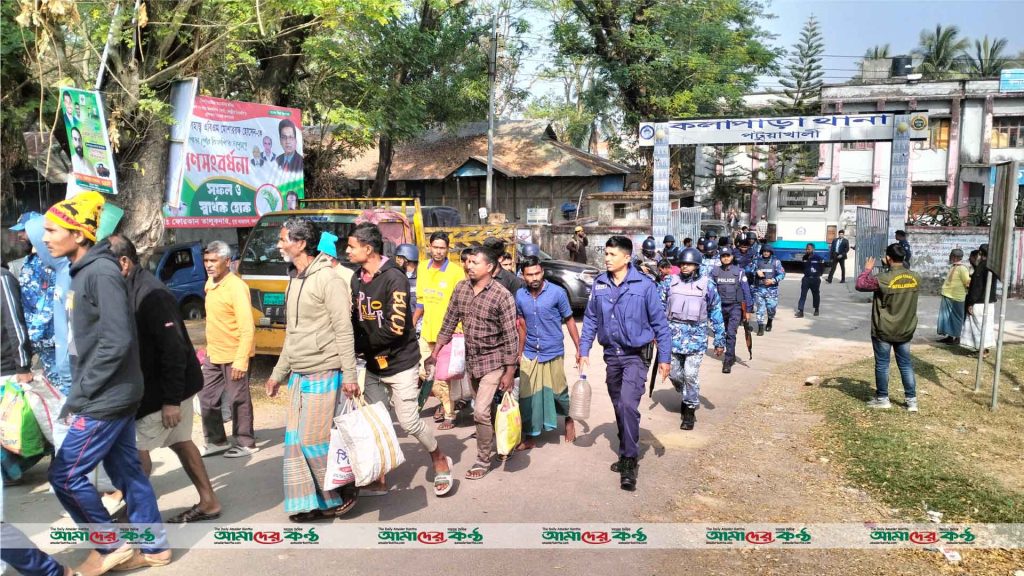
[[931, 247]]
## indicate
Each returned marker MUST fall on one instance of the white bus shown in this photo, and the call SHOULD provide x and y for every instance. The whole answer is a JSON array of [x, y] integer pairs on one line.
[[801, 214]]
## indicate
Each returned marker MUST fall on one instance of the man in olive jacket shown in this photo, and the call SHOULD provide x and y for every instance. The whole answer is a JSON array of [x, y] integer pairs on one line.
[[893, 322]]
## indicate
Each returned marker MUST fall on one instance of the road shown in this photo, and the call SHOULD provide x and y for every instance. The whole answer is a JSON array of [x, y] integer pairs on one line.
[[552, 483]]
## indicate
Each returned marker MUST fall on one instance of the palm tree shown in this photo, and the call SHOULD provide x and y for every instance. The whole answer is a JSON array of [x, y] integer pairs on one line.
[[939, 51], [987, 59], [877, 51]]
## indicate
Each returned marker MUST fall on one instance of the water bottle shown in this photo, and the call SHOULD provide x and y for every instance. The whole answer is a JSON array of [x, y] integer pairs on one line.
[[579, 399]]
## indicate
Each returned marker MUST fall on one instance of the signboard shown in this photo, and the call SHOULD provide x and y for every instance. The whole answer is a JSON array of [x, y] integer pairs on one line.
[[1004, 204], [992, 175], [92, 159], [662, 171], [899, 172], [1011, 80], [242, 160], [829, 128], [536, 216]]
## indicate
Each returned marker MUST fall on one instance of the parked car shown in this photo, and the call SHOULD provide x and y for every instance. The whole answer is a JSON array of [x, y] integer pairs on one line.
[[574, 277], [180, 268]]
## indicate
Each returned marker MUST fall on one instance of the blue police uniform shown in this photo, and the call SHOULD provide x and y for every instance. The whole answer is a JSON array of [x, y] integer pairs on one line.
[[766, 297], [814, 265], [734, 290], [691, 305]]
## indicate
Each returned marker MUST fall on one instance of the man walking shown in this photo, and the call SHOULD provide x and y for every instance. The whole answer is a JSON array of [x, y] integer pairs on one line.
[[767, 272], [692, 301], [625, 313], [229, 346], [171, 373], [577, 245], [893, 322], [837, 252], [507, 279], [37, 279], [710, 259], [542, 308], [762, 229], [385, 336], [669, 251], [437, 278], [901, 237], [813, 267], [737, 301], [488, 315], [105, 392]]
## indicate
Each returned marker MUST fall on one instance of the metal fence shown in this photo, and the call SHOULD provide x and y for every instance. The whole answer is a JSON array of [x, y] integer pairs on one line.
[[684, 223], [872, 234]]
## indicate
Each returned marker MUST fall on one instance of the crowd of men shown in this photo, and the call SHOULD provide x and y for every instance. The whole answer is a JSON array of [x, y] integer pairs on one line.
[[109, 336]]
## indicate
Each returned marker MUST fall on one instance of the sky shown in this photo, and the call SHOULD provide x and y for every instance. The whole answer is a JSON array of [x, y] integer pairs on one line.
[[850, 27]]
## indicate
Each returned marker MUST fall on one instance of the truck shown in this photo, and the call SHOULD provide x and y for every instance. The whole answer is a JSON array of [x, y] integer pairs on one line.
[[803, 213], [401, 220]]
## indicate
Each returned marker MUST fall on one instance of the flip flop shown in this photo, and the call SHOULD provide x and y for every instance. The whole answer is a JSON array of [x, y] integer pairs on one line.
[[478, 467], [446, 425], [444, 477], [193, 514], [240, 451]]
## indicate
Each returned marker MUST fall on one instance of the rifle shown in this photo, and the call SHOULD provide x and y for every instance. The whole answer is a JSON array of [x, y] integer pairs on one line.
[[747, 330]]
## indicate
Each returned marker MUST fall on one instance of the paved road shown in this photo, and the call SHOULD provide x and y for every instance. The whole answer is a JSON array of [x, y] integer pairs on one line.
[[553, 483]]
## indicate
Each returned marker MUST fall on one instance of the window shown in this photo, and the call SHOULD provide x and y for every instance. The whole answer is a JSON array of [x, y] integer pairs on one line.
[[858, 195], [618, 211], [813, 199], [858, 145], [938, 136], [1008, 132], [921, 197]]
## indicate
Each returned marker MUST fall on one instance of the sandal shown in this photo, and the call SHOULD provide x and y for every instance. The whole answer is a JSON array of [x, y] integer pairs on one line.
[[312, 515], [446, 424], [478, 471], [444, 478], [193, 514], [439, 414]]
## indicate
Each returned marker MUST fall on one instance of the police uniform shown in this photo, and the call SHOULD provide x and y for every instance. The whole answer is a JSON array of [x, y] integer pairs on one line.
[[814, 265], [766, 297], [734, 291]]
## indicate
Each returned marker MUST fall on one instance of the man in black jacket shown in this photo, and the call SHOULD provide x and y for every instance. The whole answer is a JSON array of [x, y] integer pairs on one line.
[[17, 349], [106, 389], [386, 338], [172, 377], [837, 252]]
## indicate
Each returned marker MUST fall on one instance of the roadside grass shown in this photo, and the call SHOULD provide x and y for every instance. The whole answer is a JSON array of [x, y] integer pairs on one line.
[[956, 456]]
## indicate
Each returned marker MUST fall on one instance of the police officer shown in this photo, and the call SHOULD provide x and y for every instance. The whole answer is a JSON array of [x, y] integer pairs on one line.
[[692, 300], [647, 263], [669, 251], [529, 250], [710, 260], [767, 272], [814, 265], [744, 254], [737, 301]]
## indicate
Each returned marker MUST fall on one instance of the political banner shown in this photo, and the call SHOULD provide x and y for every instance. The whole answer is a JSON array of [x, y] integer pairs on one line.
[[92, 159], [242, 160]]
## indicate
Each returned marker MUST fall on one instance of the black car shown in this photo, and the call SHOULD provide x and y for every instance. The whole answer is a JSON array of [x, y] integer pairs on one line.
[[574, 277]]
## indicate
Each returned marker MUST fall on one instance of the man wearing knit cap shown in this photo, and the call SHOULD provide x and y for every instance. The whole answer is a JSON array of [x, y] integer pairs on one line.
[[105, 392]]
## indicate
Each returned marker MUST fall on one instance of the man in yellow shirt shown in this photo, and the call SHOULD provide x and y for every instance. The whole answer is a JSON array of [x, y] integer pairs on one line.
[[229, 346], [436, 282]]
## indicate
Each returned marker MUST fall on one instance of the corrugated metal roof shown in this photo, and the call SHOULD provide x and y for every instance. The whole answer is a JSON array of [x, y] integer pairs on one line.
[[522, 149]]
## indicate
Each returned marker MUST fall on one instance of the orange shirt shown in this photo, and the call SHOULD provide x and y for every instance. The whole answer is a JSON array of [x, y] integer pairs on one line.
[[229, 324]]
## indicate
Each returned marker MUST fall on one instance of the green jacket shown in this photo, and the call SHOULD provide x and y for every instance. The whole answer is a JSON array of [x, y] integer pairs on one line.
[[894, 307]]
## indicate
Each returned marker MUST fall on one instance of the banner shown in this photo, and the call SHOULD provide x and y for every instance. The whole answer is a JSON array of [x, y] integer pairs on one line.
[[242, 160], [92, 159]]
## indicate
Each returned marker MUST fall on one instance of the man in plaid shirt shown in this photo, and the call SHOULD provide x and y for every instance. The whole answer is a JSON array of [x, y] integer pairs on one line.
[[487, 312]]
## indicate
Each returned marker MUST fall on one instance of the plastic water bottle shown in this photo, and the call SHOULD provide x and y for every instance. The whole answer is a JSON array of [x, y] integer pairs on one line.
[[579, 399]]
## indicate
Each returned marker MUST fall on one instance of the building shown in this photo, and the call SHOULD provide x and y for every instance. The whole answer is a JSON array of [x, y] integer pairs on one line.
[[534, 173], [972, 127]]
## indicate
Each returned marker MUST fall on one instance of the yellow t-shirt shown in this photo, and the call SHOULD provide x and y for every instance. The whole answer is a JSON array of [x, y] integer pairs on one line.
[[229, 324], [434, 288], [957, 281]]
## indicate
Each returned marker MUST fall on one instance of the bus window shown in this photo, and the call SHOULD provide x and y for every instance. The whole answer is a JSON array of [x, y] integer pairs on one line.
[[803, 199]]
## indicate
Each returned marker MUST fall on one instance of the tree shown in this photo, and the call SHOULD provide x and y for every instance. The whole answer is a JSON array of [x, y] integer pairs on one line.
[[877, 51], [987, 60], [939, 51], [802, 81]]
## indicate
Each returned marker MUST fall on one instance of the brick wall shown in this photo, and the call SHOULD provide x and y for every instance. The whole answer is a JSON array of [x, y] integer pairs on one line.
[[931, 247]]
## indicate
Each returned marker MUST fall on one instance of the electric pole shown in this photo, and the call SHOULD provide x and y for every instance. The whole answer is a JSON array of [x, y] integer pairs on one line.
[[492, 73]]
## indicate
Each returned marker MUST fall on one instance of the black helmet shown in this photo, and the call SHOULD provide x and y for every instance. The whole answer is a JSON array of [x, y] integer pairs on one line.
[[710, 246], [648, 244], [726, 251], [529, 250], [690, 256], [767, 248], [669, 238], [408, 251]]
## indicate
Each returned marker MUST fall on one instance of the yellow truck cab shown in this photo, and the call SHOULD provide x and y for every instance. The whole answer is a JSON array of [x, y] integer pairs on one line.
[[262, 267]]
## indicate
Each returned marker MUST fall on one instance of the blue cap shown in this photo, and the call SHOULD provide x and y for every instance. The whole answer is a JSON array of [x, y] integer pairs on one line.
[[328, 244], [23, 219]]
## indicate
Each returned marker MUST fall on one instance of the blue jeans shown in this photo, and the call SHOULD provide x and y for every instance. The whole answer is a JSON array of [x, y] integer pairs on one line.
[[902, 350], [23, 556]]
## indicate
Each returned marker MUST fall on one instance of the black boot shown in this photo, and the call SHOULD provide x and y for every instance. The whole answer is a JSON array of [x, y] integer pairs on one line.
[[799, 314], [760, 329], [768, 327], [689, 418], [726, 367], [627, 474], [815, 311], [617, 467]]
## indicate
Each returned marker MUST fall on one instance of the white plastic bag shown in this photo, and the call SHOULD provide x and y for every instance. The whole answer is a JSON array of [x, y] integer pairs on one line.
[[339, 469], [368, 436], [46, 402]]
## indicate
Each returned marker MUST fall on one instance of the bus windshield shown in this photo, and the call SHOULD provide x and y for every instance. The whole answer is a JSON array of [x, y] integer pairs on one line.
[[803, 199], [261, 256]]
